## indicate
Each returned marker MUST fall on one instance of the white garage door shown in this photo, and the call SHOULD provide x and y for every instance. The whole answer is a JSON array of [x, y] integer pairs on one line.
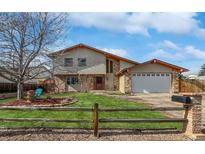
[[151, 82]]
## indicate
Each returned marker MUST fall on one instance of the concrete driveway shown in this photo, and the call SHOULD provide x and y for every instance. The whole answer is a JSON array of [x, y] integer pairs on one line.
[[157, 100], [153, 100]]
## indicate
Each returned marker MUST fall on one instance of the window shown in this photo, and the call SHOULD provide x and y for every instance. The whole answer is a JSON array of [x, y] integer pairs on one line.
[[72, 80], [162, 74], [138, 74], [167, 74], [107, 66], [68, 62], [81, 62], [148, 74], [153, 74], [133, 74], [111, 66]]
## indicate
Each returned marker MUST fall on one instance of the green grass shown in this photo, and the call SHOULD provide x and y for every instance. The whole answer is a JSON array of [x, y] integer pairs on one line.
[[87, 100]]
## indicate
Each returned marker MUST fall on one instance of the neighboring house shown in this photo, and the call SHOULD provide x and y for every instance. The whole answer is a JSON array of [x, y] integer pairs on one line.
[[195, 77], [42, 75], [84, 68], [192, 76], [3, 80]]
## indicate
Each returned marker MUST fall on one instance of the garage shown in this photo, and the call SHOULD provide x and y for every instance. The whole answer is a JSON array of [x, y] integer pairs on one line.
[[154, 76], [151, 82]]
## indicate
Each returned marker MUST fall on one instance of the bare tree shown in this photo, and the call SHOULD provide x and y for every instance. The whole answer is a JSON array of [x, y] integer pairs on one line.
[[25, 39]]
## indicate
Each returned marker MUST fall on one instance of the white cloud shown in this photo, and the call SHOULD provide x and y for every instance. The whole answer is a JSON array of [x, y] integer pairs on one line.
[[178, 52], [171, 45], [194, 52], [121, 22], [161, 53], [118, 52], [199, 32], [141, 23], [178, 23]]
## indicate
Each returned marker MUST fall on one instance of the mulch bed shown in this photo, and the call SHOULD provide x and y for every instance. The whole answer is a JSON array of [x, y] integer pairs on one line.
[[47, 102]]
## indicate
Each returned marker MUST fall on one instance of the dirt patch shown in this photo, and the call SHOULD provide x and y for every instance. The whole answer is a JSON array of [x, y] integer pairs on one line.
[[46, 102]]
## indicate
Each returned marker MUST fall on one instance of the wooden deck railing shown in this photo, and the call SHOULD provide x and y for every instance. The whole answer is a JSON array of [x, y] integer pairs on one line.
[[96, 119]]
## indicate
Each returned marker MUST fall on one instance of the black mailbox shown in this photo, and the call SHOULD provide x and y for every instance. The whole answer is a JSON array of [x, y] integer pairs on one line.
[[181, 99]]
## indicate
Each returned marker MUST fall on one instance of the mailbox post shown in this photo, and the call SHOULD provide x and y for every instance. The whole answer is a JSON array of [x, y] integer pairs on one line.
[[193, 112]]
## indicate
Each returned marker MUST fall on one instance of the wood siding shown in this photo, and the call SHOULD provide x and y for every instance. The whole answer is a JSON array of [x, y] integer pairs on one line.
[[192, 85]]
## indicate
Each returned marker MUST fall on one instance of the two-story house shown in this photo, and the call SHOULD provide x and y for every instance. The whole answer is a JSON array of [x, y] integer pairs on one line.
[[84, 68]]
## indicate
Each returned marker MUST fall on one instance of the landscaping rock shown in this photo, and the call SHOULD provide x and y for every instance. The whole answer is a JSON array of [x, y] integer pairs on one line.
[[85, 135]]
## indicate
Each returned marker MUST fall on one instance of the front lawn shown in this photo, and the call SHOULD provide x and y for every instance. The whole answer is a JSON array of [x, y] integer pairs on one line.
[[87, 100]]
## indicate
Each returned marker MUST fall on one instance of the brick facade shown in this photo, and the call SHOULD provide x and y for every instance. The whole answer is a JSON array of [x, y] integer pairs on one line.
[[86, 82], [175, 83], [60, 82], [89, 81], [116, 69], [128, 83]]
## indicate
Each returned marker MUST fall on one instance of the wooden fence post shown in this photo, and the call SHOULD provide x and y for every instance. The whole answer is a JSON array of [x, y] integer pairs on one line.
[[95, 120], [186, 111]]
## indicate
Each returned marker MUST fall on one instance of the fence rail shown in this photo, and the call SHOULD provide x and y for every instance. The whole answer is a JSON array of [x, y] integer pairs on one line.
[[44, 120], [143, 109], [143, 120], [96, 119], [83, 109]]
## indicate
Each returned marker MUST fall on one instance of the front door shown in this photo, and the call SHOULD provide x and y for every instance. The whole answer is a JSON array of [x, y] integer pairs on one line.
[[99, 83]]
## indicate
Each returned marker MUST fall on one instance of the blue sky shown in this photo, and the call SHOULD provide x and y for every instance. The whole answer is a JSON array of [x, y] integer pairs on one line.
[[177, 38]]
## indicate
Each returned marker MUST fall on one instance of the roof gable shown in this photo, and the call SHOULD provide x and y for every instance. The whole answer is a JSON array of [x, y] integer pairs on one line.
[[157, 61], [108, 55], [160, 62]]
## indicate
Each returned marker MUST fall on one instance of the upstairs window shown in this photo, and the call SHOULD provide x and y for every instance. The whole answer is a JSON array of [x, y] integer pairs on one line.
[[111, 66], [68, 62], [81, 62], [107, 66]]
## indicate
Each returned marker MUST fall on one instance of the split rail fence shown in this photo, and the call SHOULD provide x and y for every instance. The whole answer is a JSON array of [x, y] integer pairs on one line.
[[96, 118]]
